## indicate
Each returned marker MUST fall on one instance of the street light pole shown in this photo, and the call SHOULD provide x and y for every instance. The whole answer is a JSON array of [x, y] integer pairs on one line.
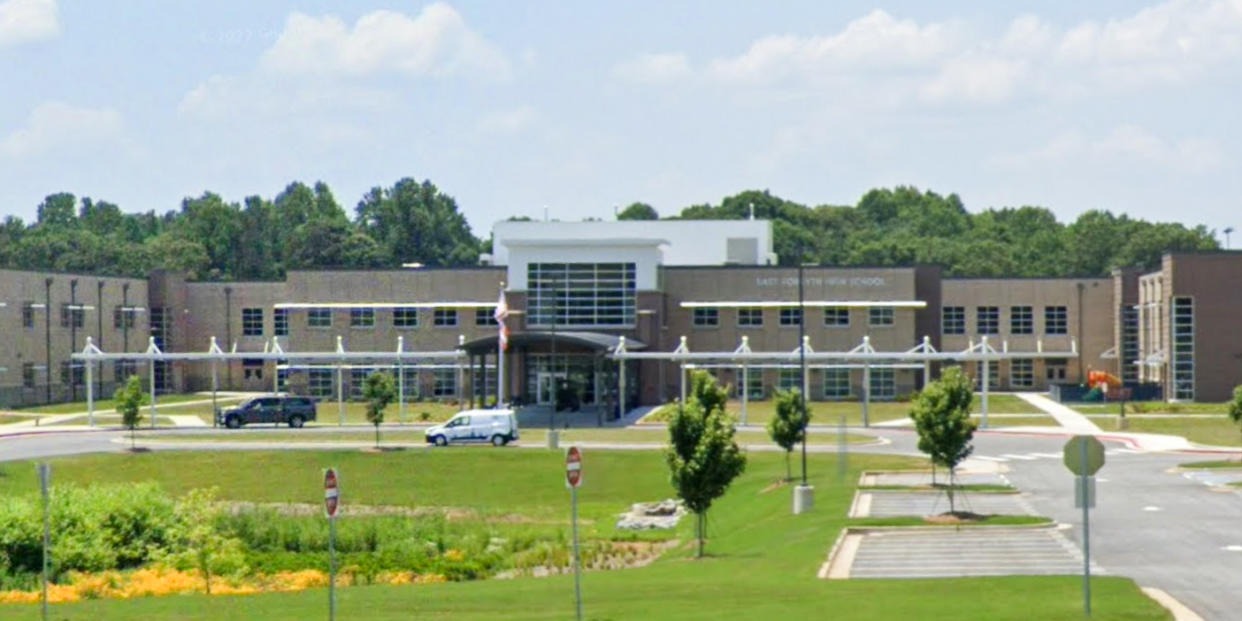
[[1227, 231], [802, 362]]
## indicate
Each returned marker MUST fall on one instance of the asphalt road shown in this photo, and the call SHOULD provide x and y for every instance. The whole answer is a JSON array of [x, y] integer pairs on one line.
[[1157, 526]]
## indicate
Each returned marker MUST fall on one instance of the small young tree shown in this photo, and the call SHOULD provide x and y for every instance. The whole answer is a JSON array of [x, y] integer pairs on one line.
[[1235, 405], [129, 400], [788, 427], [195, 541], [379, 390], [941, 416], [702, 458]]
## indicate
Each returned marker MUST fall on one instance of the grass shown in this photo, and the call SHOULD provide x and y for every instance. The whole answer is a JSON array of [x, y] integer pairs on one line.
[[1152, 407], [13, 418], [1214, 430], [73, 407], [1229, 464], [761, 560], [536, 437]]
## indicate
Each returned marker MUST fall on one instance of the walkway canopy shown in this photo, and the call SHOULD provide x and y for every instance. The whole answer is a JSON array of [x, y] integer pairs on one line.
[[594, 341]]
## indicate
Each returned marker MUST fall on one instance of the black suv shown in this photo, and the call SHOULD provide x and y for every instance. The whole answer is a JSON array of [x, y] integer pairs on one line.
[[277, 409]]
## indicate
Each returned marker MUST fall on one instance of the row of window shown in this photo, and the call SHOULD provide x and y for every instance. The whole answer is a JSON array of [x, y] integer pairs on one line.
[[322, 383], [74, 315], [752, 316], [402, 317], [1021, 320], [75, 373]]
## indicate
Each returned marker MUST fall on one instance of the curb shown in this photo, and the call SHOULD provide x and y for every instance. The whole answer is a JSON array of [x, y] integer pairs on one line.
[[1179, 610]]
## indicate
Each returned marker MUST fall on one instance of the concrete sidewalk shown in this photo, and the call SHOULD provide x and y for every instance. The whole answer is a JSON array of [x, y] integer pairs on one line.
[[1068, 418]]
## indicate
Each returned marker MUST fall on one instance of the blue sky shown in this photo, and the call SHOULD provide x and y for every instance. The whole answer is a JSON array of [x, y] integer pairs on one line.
[[514, 107]]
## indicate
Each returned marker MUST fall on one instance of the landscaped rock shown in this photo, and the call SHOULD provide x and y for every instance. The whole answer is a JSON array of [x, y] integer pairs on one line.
[[663, 514]]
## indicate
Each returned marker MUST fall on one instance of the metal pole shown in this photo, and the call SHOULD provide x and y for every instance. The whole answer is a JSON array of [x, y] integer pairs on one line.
[[215, 386], [802, 362], [332, 568], [1086, 535], [99, 323], [151, 368], [987, 371], [866, 390], [45, 474], [340, 394], [47, 324], [621, 387], [681, 373], [73, 336], [90, 395], [573, 496], [745, 390]]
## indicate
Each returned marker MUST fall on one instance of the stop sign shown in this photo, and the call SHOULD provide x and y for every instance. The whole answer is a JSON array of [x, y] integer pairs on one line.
[[1074, 458], [331, 493], [573, 467]]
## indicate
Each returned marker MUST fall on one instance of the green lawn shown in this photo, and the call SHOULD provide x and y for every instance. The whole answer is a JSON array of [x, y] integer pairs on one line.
[[829, 412], [1152, 407], [762, 560], [106, 404], [1214, 430]]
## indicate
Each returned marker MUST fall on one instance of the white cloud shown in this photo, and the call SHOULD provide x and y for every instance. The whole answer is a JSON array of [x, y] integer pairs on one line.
[[977, 79], [56, 126], [25, 21], [876, 41], [507, 121], [437, 42], [1124, 146], [653, 69]]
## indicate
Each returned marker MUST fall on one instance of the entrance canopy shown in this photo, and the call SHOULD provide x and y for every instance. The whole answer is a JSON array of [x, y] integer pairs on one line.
[[594, 341]]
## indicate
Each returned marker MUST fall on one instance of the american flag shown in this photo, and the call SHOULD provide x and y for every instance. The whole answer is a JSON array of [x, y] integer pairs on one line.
[[502, 313]]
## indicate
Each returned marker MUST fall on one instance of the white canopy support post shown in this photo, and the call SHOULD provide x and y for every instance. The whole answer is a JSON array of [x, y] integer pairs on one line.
[[806, 373], [461, 375], [90, 393], [215, 381], [987, 372], [926, 361], [340, 383], [744, 348], [619, 352], [681, 368], [400, 380], [152, 349], [866, 384]]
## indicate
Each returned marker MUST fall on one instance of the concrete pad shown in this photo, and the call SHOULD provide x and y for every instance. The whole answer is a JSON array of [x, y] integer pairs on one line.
[[186, 421], [899, 504], [925, 478], [1067, 417], [952, 553]]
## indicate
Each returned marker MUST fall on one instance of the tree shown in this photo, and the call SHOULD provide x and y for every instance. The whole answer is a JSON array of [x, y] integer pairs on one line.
[[379, 389], [788, 427], [416, 222], [941, 416], [196, 542], [703, 458], [129, 400], [1235, 405], [639, 211]]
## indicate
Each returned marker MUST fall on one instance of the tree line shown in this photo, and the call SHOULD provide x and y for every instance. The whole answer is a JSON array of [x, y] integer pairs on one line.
[[304, 227]]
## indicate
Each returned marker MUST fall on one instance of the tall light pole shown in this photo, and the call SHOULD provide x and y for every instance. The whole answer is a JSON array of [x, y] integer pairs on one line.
[[1227, 231], [802, 362]]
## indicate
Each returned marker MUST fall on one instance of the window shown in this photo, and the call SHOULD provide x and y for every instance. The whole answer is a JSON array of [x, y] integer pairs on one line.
[[1183, 349], [953, 320], [123, 317], [124, 369], [754, 384], [791, 316], [404, 317], [1022, 373], [750, 317], [319, 318], [282, 376], [789, 379], [71, 314], [28, 314], [362, 317], [72, 373], [252, 322], [987, 320], [993, 374], [159, 326], [485, 317], [836, 383], [357, 379], [445, 383], [1056, 320], [280, 322], [880, 316], [1054, 369], [581, 294], [1129, 344], [163, 376], [883, 384], [28, 375], [837, 317], [445, 317], [413, 388], [319, 382], [252, 369], [706, 317], [1021, 320]]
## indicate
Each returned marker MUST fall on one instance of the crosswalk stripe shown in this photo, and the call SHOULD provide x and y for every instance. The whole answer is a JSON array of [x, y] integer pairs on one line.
[[1020, 457], [987, 458]]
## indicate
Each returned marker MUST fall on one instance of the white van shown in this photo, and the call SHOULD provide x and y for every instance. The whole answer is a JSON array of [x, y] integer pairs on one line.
[[496, 426]]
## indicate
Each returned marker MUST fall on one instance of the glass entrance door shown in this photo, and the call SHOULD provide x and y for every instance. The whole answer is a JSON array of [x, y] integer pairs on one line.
[[545, 393]]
